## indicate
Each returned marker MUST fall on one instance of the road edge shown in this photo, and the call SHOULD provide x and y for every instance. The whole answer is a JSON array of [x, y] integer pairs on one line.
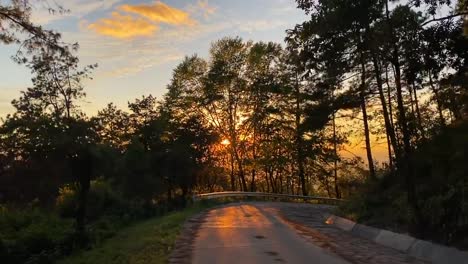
[[183, 248], [414, 247], [184, 245]]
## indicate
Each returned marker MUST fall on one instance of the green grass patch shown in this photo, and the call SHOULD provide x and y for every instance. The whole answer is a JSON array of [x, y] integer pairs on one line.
[[150, 241]]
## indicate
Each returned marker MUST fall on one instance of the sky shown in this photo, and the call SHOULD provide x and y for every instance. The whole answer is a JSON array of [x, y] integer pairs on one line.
[[137, 43]]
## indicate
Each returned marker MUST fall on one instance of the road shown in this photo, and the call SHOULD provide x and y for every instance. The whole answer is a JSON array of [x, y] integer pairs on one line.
[[254, 233], [267, 232]]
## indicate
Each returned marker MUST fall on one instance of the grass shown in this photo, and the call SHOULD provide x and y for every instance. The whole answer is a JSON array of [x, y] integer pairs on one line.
[[150, 241]]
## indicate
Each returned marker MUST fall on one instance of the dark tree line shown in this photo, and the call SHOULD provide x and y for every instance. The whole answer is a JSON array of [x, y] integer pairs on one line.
[[398, 56]]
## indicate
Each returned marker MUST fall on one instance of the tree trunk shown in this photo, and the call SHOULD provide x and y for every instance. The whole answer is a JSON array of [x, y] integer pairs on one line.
[[242, 177], [390, 113], [254, 158], [409, 172], [82, 169], [418, 112], [280, 176], [274, 182], [389, 94], [240, 167], [233, 180], [267, 180], [335, 161], [81, 210], [455, 108], [389, 127], [413, 112], [327, 186], [362, 95], [299, 142], [437, 97], [390, 156], [252, 183]]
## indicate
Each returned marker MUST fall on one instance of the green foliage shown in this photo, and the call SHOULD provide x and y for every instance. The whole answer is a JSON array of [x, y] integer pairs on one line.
[[441, 192], [381, 203], [33, 236], [442, 183], [102, 200], [150, 241], [66, 201]]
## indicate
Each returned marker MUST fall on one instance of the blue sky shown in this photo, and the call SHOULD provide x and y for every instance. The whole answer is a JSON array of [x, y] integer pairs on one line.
[[138, 43]]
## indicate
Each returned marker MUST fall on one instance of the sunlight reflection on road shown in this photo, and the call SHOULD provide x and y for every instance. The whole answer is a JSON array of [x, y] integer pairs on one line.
[[253, 233]]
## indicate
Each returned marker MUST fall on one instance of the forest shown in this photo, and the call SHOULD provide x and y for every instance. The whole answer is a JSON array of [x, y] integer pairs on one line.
[[252, 116]]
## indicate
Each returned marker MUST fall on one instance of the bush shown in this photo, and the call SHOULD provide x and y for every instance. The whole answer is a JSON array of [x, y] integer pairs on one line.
[[442, 184], [102, 201], [381, 203], [441, 188], [66, 202], [106, 227], [33, 236]]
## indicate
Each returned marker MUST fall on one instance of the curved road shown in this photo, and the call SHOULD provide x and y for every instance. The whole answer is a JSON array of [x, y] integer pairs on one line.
[[263, 232], [254, 233]]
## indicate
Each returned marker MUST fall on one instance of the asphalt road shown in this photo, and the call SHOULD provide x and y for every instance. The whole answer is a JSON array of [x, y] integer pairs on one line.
[[254, 233]]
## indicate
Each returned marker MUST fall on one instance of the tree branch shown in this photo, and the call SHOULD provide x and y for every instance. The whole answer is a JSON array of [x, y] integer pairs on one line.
[[444, 18]]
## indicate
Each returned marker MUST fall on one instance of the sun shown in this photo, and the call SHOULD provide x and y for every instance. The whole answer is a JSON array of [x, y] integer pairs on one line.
[[225, 142]]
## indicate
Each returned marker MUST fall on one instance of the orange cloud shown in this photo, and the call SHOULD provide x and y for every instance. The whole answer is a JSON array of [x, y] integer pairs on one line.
[[122, 26], [160, 13]]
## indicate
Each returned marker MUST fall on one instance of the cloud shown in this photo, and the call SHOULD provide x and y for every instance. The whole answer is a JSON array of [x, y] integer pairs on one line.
[[123, 26], [166, 44], [142, 63], [122, 59], [203, 8], [78, 8], [144, 20], [160, 13]]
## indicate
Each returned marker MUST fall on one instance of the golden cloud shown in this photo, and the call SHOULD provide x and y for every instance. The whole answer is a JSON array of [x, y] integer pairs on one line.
[[122, 26], [160, 13]]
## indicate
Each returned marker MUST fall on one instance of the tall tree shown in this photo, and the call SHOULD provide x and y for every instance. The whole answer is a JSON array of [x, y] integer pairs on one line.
[[224, 92]]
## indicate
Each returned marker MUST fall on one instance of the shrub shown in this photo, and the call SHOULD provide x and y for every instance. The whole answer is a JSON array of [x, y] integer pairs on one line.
[[441, 171], [66, 202], [104, 201], [33, 236], [441, 186], [380, 203]]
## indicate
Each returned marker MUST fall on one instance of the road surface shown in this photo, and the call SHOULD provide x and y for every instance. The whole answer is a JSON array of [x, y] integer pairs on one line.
[[266, 232], [254, 233]]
